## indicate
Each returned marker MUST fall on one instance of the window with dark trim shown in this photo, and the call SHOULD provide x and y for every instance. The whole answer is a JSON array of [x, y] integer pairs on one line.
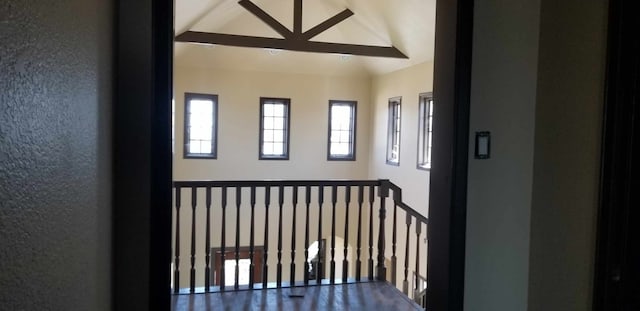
[[200, 125], [274, 128], [342, 131], [393, 131], [425, 130]]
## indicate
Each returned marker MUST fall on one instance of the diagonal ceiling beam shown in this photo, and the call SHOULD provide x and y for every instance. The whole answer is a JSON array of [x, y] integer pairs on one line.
[[292, 45], [326, 24], [266, 18], [294, 40]]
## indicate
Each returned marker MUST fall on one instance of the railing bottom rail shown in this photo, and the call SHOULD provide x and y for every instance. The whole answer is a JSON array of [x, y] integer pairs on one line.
[[270, 285]]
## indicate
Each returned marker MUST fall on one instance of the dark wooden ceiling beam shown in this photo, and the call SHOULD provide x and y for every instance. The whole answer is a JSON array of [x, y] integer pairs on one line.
[[297, 17], [318, 29], [292, 45], [266, 18], [294, 40]]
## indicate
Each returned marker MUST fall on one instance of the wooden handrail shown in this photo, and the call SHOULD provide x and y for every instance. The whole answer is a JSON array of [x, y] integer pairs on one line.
[[406, 207], [300, 183], [274, 183]]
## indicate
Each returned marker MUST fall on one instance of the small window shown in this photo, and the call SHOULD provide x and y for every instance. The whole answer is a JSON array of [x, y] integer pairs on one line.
[[425, 131], [200, 126], [393, 131], [274, 128], [342, 130]]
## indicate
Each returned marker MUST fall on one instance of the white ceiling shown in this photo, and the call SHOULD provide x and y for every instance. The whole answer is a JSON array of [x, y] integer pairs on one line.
[[409, 25]]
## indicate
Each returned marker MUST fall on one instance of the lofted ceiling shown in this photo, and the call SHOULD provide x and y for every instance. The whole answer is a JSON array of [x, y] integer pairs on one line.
[[408, 25]]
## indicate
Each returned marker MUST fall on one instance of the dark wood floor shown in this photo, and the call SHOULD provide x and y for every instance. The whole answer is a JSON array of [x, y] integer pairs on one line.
[[357, 296]]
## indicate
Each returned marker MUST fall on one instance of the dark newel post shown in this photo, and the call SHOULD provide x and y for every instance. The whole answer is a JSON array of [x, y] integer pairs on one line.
[[370, 261], [307, 202], [194, 202], [265, 254], [176, 271], [207, 237], [405, 283], [237, 250], [320, 263], [292, 272], [383, 193], [223, 238], [358, 247], [418, 233], [334, 199], [345, 263], [394, 259], [279, 264], [252, 265]]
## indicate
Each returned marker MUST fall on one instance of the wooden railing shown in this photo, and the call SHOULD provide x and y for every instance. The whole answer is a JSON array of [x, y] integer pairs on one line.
[[421, 298], [220, 221], [420, 290]]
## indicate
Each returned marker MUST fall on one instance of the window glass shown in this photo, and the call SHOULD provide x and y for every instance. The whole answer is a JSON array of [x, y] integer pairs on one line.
[[393, 131], [342, 119], [274, 128], [425, 131], [200, 125]]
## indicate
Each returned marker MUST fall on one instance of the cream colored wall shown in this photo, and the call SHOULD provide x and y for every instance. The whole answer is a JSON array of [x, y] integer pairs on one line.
[[537, 85], [503, 101], [238, 95], [408, 83]]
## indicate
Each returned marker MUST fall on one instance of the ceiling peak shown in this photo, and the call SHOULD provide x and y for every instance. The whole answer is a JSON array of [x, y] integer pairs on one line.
[[295, 40]]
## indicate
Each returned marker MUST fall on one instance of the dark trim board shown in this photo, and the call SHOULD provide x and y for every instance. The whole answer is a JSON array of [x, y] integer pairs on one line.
[[141, 239], [448, 186], [617, 273], [285, 44]]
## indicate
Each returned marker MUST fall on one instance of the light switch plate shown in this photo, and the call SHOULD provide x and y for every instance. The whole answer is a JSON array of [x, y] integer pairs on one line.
[[483, 145]]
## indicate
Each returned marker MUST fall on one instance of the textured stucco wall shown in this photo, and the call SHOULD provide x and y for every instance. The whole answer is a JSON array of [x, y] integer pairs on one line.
[[55, 82]]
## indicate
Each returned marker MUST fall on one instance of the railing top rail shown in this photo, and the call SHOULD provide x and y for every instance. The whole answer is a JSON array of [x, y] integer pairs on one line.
[[406, 207], [298, 183], [413, 213], [274, 182]]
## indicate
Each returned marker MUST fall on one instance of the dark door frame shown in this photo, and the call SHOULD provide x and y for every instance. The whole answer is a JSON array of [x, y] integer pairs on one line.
[[143, 63], [243, 253], [143, 73], [620, 164], [448, 186]]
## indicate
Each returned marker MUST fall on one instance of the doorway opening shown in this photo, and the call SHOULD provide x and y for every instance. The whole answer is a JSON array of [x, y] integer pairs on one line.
[[143, 161]]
